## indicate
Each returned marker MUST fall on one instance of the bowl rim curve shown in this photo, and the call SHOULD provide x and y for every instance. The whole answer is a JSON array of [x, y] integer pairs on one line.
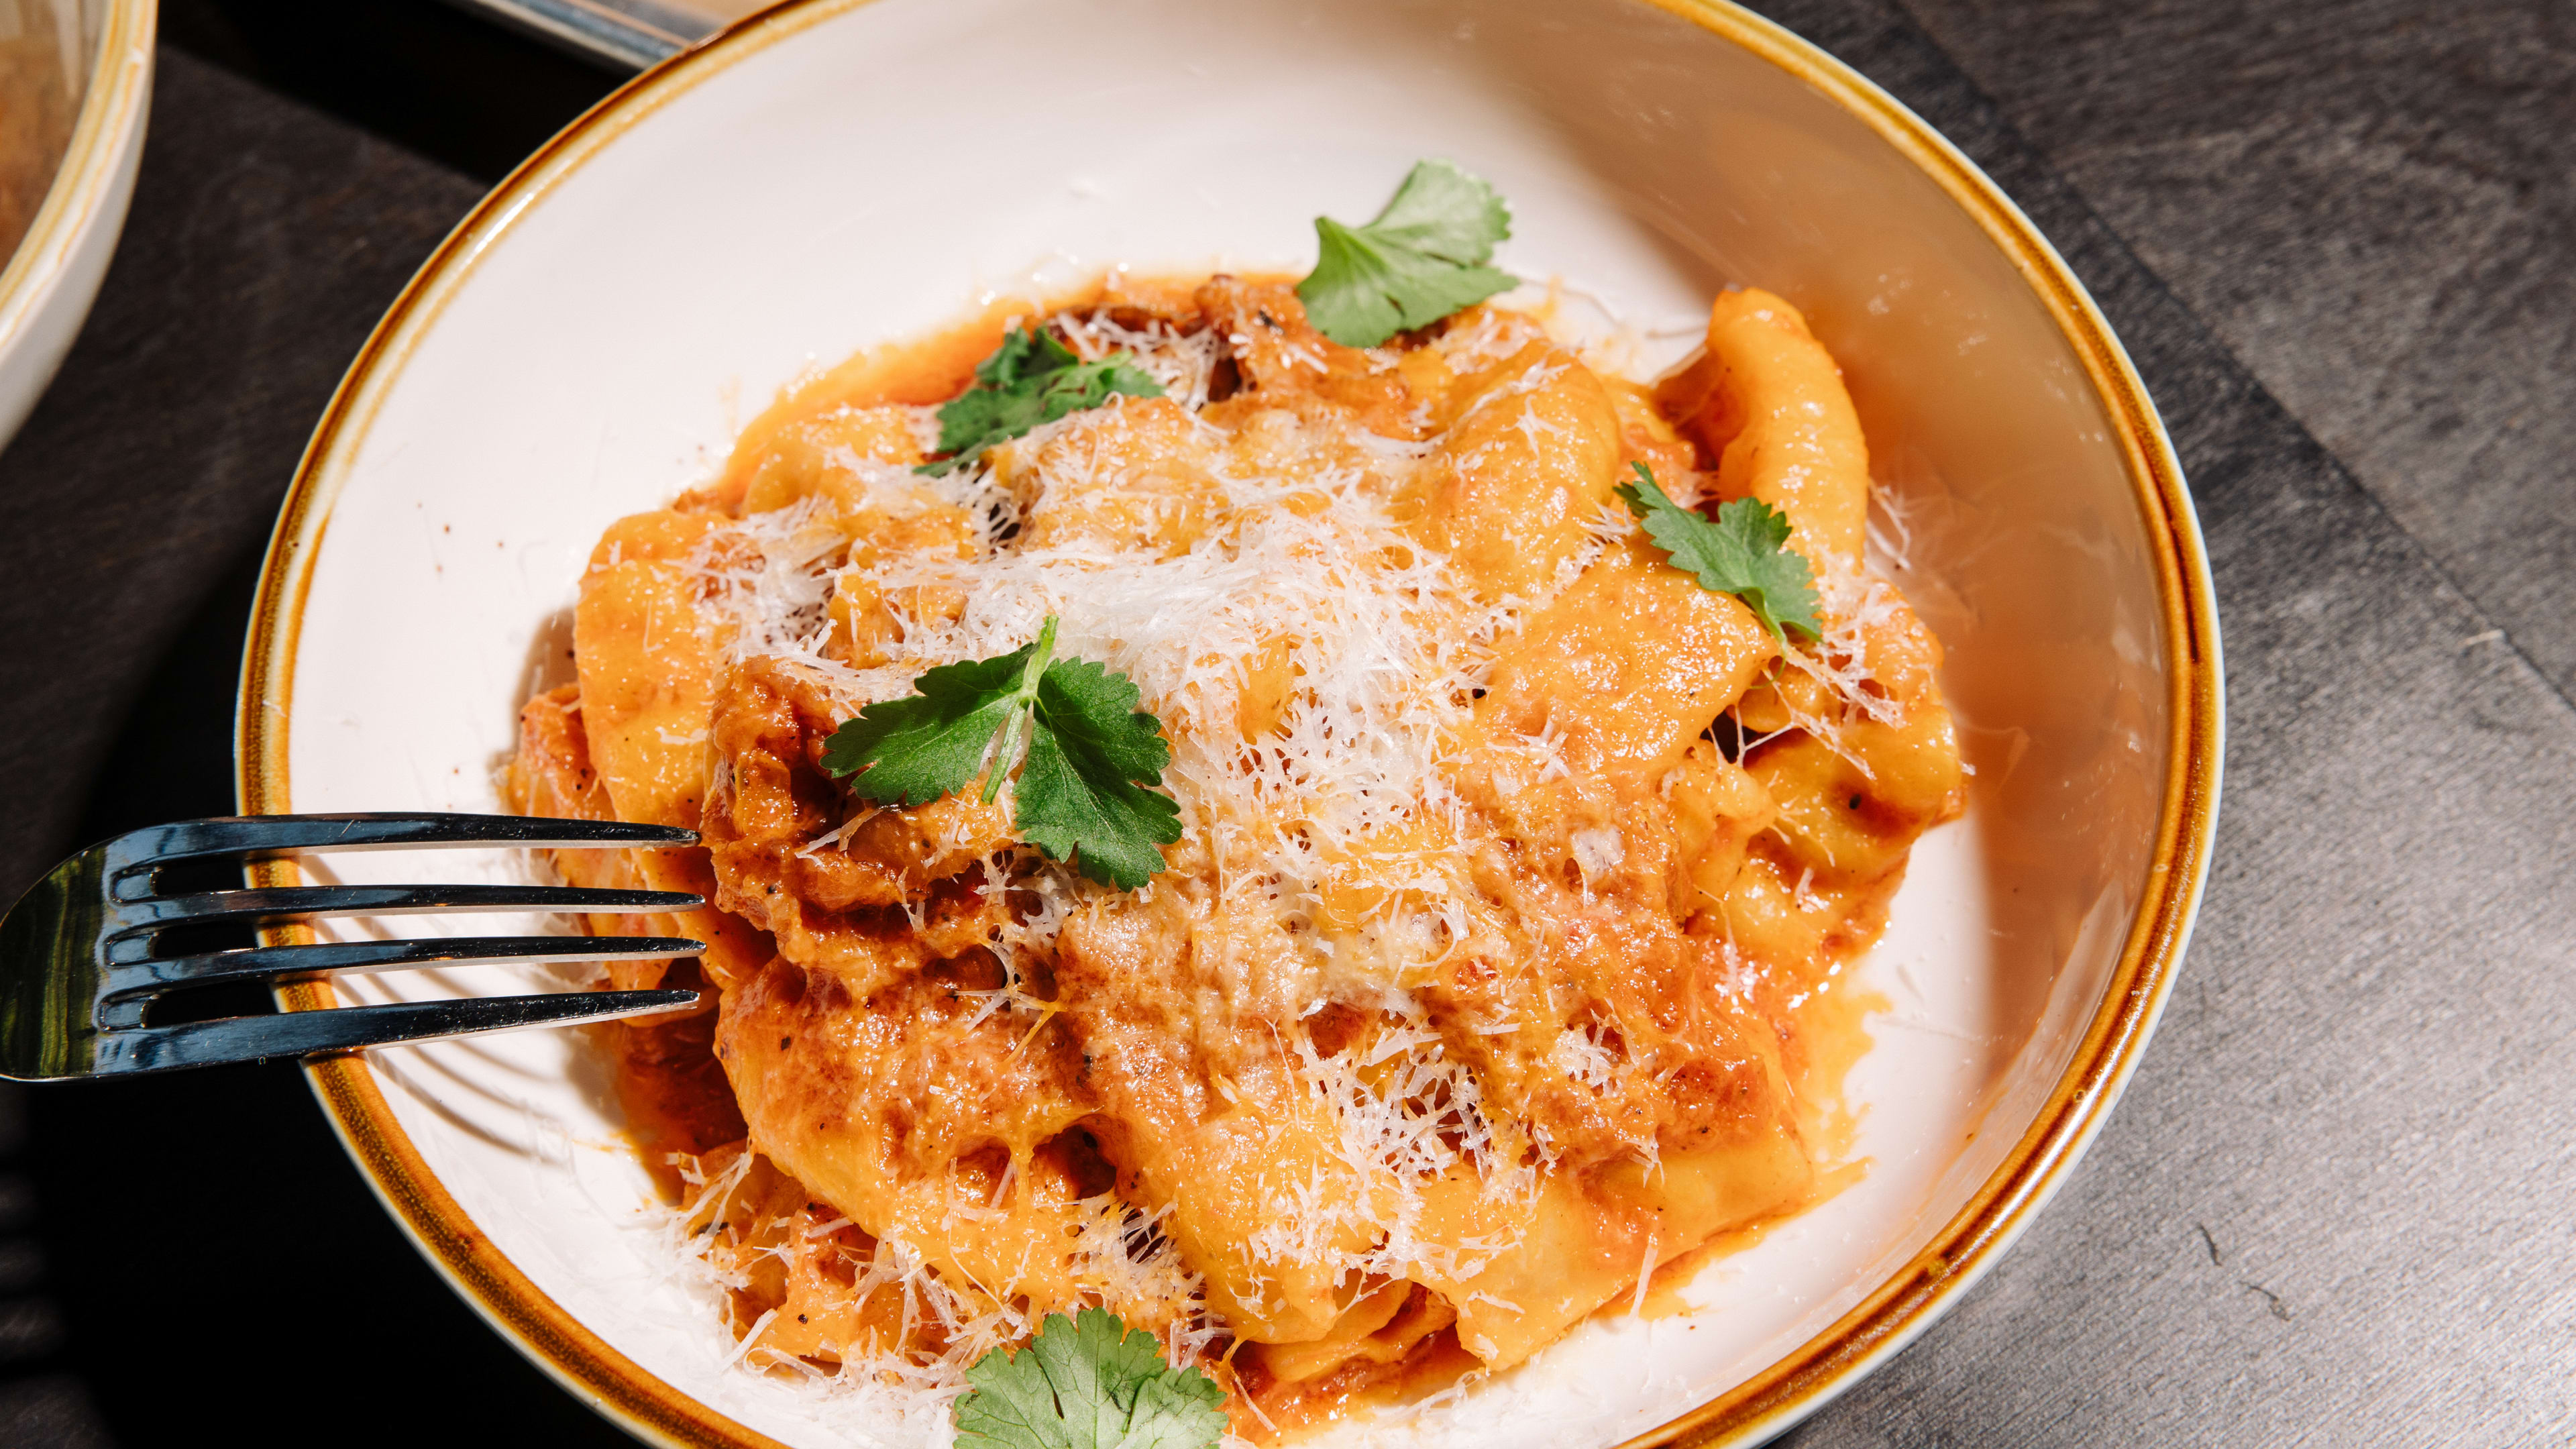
[[1767, 1403], [114, 103]]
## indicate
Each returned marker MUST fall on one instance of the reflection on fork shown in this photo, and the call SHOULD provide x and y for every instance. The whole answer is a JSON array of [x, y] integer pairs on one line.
[[79, 962]]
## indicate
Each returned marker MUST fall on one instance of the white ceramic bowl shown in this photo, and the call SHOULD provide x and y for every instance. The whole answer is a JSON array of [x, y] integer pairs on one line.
[[840, 174], [96, 56]]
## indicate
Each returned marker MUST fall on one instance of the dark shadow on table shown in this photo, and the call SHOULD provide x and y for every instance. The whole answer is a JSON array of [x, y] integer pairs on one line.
[[210, 1260]]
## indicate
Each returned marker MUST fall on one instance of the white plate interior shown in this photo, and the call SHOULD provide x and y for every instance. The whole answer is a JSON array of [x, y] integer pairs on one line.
[[884, 170]]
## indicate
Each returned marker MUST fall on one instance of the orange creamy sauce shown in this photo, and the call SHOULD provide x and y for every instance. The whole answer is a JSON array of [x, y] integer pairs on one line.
[[1639, 1064]]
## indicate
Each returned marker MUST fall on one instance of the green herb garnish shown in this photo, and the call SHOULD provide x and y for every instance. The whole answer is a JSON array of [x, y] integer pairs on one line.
[[1085, 791], [1087, 1383], [1742, 553], [1420, 260], [1029, 380]]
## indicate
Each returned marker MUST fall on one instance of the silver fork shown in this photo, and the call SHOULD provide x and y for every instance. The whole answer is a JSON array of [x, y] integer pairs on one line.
[[77, 965]]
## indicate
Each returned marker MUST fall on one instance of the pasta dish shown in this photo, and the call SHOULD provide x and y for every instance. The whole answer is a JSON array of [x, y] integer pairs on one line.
[[1497, 954]]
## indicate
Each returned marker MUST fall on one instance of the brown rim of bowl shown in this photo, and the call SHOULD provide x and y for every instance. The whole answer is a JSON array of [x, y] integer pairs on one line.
[[1765, 1404], [118, 86]]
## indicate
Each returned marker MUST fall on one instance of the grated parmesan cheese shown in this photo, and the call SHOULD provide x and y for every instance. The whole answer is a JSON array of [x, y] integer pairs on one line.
[[1384, 653]]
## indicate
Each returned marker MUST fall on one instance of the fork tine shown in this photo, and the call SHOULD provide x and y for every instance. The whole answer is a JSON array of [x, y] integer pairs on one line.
[[158, 973], [218, 907], [249, 835], [302, 1033]]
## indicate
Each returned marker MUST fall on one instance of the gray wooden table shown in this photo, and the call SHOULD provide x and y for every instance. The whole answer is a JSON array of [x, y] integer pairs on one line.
[[2338, 1205]]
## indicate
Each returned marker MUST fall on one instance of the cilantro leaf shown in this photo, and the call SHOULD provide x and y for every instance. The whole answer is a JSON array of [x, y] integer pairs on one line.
[[1080, 798], [1029, 380], [916, 749], [1085, 791], [1086, 1382], [1420, 260], [1741, 553]]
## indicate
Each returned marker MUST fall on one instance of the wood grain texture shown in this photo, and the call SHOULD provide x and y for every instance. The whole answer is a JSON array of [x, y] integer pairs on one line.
[[2372, 203], [2330, 1208]]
